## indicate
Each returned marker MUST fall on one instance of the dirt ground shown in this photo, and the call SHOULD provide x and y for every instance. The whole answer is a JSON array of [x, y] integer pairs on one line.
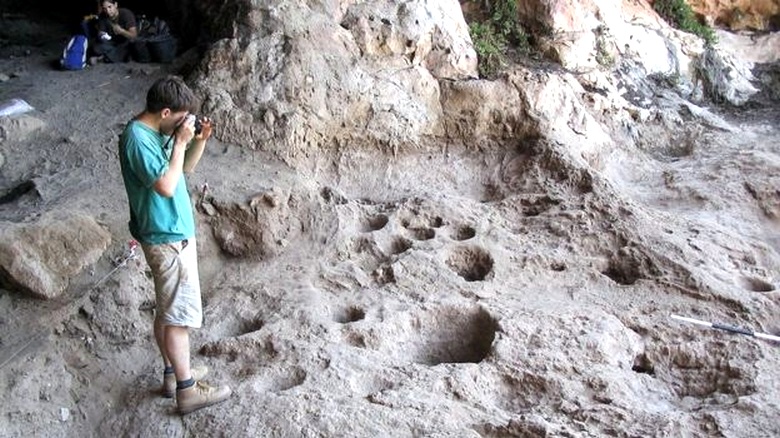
[[466, 293]]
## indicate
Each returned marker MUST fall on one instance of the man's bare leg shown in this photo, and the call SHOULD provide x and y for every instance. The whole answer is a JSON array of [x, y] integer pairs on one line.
[[159, 336], [177, 347]]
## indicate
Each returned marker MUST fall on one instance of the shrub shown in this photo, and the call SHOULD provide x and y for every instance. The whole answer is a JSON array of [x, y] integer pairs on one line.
[[603, 55], [490, 47], [680, 15], [503, 17], [494, 37]]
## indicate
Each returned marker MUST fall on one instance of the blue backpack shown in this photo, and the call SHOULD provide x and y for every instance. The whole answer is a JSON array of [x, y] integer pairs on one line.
[[74, 56]]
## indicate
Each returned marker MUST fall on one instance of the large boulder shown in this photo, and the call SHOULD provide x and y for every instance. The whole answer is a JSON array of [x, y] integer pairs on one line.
[[525, 103], [263, 226], [18, 127], [40, 258], [726, 78]]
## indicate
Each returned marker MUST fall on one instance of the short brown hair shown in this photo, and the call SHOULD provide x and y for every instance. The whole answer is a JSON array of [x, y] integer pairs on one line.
[[173, 93]]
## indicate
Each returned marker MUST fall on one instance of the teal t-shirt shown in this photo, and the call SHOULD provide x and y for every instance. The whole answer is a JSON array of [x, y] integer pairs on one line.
[[154, 219]]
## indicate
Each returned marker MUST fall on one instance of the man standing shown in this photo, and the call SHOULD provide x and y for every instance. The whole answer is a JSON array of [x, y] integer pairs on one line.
[[155, 150]]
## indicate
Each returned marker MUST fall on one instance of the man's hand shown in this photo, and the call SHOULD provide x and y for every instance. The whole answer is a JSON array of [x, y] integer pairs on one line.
[[118, 30], [185, 132], [196, 151], [206, 128]]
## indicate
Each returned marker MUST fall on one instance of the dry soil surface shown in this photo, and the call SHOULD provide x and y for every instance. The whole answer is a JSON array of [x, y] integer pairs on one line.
[[463, 292]]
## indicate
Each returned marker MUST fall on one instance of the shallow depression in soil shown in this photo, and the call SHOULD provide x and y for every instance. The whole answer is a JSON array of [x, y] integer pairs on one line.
[[442, 335]]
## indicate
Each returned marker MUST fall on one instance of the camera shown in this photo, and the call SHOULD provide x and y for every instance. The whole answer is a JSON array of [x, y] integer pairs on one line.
[[197, 122], [198, 125]]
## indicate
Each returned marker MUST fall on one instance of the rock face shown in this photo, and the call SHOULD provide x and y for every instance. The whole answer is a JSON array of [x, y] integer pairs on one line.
[[740, 14], [726, 78], [586, 35], [292, 79], [431, 35], [319, 78], [629, 39], [41, 258]]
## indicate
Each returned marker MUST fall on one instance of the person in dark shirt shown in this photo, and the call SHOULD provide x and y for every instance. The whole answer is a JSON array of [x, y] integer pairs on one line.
[[116, 28]]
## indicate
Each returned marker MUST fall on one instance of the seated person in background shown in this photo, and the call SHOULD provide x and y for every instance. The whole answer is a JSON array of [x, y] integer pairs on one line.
[[89, 23], [115, 27]]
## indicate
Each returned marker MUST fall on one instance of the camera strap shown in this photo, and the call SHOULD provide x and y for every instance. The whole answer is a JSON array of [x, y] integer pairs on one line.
[[173, 136]]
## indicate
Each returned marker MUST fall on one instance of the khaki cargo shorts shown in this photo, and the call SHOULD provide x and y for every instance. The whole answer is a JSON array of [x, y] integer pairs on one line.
[[176, 283]]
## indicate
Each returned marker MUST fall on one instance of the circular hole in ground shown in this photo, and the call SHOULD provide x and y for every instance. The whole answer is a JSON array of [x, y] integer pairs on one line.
[[349, 314], [437, 222], [250, 326], [538, 205], [757, 285], [422, 233], [288, 380], [558, 266], [464, 232], [471, 263], [623, 271], [384, 275], [443, 335], [375, 223], [330, 196], [643, 365], [355, 339], [399, 245], [630, 264]]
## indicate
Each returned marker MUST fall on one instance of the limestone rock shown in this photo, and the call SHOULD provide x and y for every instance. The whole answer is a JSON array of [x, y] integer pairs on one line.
[[584, 34], [40, 258], [311, 78], [758, 49], [432, 34], [726, 78], [484, 109], [262, 227], [630, 39], [17, 128], [739, 14]]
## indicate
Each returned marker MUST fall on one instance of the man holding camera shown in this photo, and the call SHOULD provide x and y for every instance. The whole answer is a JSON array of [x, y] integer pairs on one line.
[[155, 150]]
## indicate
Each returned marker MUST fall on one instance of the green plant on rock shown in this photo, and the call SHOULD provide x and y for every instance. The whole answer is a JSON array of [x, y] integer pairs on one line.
[[603, 55], [503, 17], [490, 48], [494, 37], [679, 14]]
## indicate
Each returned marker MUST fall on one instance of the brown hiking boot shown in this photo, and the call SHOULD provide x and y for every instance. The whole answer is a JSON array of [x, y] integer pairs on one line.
[[169, 380], [199, 396]]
